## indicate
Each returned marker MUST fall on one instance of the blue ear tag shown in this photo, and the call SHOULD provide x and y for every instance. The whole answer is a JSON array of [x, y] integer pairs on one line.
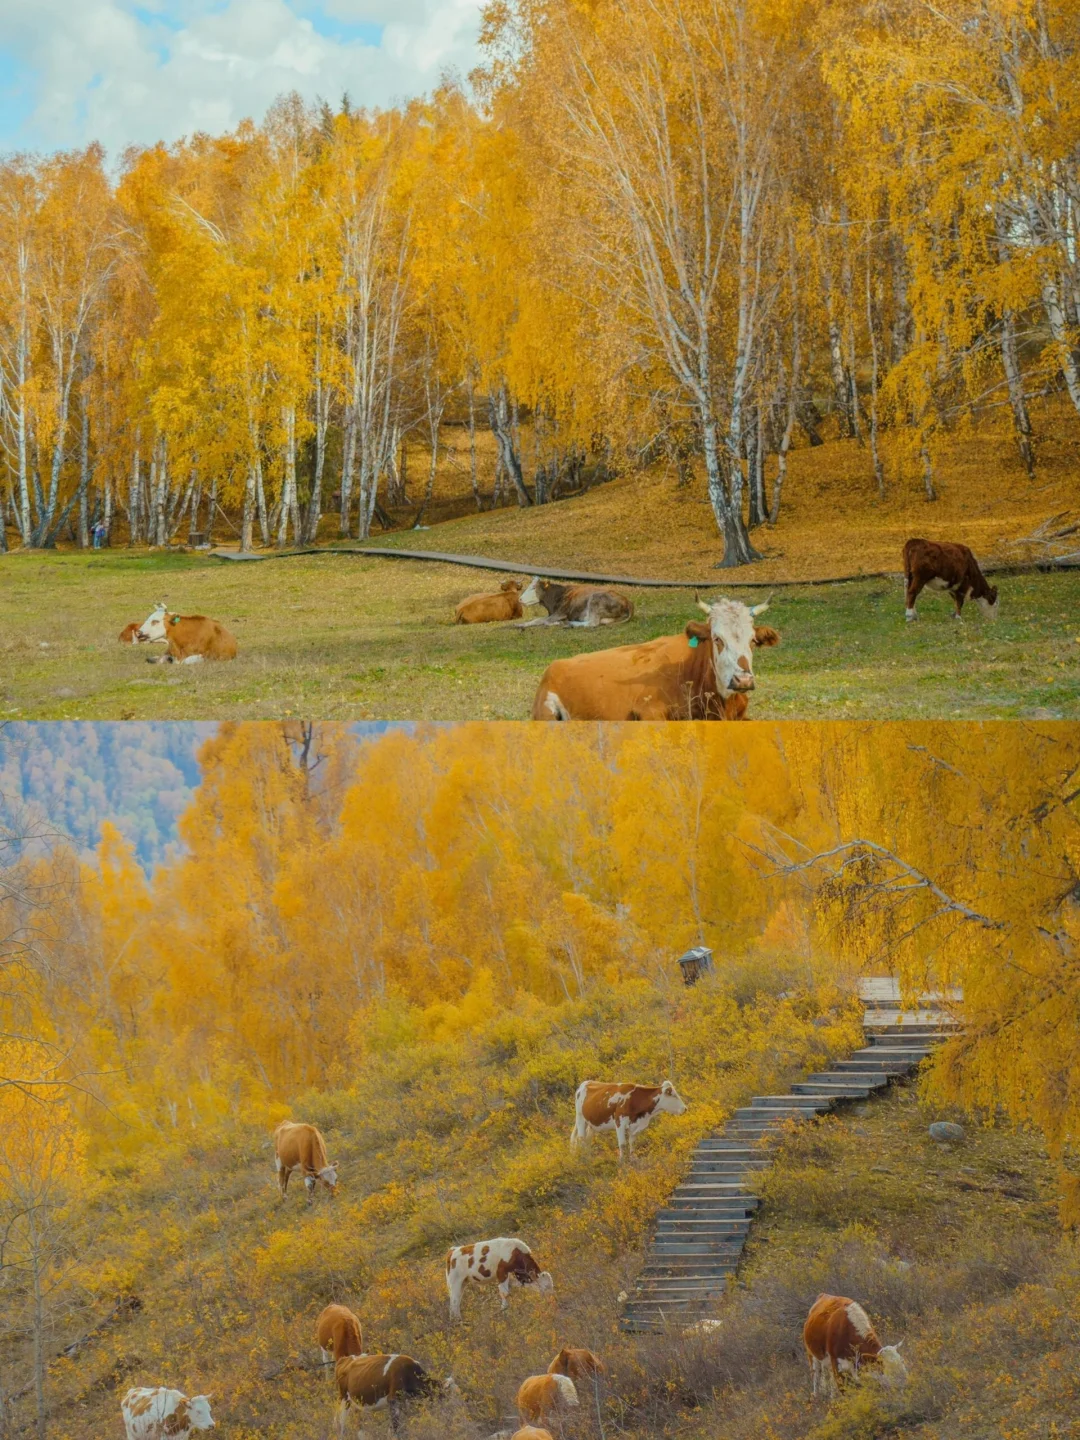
[[693, 642]]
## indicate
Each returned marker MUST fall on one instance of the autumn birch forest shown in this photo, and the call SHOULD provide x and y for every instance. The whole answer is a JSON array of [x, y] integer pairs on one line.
[[423, 941], [680, 233]]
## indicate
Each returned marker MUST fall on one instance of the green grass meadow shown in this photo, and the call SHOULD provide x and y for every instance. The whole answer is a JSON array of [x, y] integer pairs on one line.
[[348, 637]]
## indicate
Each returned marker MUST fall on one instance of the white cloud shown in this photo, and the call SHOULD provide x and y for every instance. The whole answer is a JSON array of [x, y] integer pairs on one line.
[[127, 73]]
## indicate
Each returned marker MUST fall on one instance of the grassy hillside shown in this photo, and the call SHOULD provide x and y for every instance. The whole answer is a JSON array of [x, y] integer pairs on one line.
[[832, 520], [453, 1127]]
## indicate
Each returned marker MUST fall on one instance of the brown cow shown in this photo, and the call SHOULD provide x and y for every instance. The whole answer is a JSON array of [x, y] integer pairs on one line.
[[840, 1339], [542, 1396], [383, 1382], [946, 566], [505, 1263], [504, 604], [530, 1432], [337, 1333], [578, 1364], [626, 1109], [190, 638], [578, 605], [301, 1147], [703, 674]]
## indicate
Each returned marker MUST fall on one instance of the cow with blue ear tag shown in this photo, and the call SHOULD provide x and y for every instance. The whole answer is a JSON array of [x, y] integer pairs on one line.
[[705, 673]]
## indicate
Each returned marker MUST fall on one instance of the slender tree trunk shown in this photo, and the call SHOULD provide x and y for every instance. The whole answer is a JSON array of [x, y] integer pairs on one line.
[[725, 497], [501, 425], [22, 438], [107, 517], [348, 460], [160, 490], [247, 523], [1059, 329], [211, 512], [871, 330], [84, 479], [133, 497], [289, 508], [473, 472], [1017, 400], [755, 468], [260, 502], [928, 472]]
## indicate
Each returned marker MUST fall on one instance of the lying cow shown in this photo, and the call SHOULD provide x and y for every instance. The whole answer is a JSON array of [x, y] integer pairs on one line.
[[584, 605], [338, 1334], [384, 1382], [161, 1414], [301, 1147], [578, 1364], [626, 1109], [931, 565], [505, 1263], [839, 1339], [703, 674], [190, 638], [542, 1396], [504, 604]]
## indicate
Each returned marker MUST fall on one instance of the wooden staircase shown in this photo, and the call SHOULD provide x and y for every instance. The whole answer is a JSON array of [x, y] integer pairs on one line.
[[701, 1231]]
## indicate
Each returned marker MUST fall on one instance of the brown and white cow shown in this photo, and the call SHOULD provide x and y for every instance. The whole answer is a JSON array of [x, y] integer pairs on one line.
[[190, 638], [301, 1147], [384, 1382], [934, 565], [505, 1263], [703, 674], [626, 1109], [160, 1414], [579, 605], [578, 1364], [337, 1333], [541, 1396], [839, 1339], [504, 604]]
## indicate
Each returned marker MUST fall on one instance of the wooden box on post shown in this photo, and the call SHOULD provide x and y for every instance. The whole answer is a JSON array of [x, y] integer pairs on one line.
[[695, 963]]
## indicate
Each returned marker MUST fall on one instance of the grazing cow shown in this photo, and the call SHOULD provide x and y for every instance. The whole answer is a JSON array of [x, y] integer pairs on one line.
[[506, 1263], [542, 1396], [626, 1109], [579, 605], [161, 1414], [190, 638], [337, 1333], [934, 566], [703, 674], [530, 1432], [301, 1147], [839, 1338], [578, 1364], [384, 1382], [505, 604]]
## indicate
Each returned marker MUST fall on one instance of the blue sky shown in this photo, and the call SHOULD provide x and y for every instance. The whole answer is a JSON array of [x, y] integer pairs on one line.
[[123, 72]]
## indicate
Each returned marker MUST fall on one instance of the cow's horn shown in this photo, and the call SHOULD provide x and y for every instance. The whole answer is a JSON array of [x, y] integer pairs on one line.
[[756, 610], [706, 608]]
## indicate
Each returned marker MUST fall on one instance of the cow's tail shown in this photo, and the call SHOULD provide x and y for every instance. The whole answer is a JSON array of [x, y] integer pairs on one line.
[[577, 1130], [548, 706]]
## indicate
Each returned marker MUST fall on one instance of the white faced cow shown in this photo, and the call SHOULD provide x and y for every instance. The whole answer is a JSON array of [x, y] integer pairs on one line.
[[190, 638], [161, 1414], [626, 1109], [705, 673]]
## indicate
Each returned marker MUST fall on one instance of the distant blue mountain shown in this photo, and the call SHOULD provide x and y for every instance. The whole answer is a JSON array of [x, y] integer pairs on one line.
[[141, 775]]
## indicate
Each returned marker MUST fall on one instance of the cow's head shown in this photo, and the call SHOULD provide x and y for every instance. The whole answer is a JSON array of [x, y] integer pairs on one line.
[[511, 585], [988, 603], [532, 592], [129, 635], [670, 1100], [734, 634], [199, 1413], [154, 626], [893, 1369], [327, 1176]]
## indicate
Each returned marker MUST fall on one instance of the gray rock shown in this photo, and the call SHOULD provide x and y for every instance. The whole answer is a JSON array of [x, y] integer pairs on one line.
[[880, 1170], [64, 693], [946, 1132]]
